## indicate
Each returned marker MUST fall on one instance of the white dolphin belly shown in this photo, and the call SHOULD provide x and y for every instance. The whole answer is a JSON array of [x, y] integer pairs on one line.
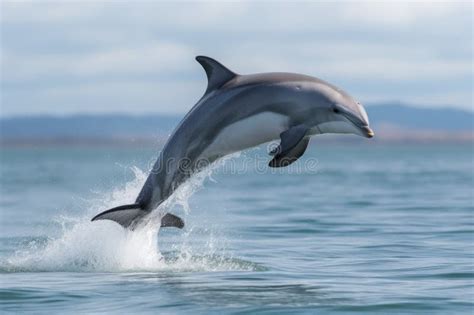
[[247, 133]]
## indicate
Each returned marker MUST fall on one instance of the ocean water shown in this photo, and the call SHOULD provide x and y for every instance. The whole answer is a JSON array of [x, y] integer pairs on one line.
[[365, 228]]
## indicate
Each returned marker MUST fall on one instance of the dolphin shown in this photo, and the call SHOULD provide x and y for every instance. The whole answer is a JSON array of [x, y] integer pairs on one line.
[[238, 112]]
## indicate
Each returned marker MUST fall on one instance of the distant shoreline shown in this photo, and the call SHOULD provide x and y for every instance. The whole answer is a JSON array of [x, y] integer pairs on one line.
[[392, 123]]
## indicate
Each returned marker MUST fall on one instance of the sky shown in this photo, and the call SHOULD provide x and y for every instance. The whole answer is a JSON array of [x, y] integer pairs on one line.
[[137, 57]]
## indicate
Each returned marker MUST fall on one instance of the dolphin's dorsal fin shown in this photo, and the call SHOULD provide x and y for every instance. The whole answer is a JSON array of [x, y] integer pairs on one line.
[[217, 74]]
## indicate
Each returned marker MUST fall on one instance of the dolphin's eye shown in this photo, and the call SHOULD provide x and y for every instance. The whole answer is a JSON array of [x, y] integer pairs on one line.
[[335, 110]]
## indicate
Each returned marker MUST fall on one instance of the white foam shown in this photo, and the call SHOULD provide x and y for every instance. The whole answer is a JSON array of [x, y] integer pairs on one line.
[[107, 247]]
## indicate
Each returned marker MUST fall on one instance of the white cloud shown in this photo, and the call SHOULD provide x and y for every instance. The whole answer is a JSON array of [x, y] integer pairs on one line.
[[154, 58], [55, 53], [400, 14], [128, 96]]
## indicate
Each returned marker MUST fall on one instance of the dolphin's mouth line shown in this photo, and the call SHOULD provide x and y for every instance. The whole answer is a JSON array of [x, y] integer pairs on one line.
[[368, 132]]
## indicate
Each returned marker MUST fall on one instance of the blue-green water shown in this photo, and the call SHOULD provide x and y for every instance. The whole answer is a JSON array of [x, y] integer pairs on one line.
[[352, 228]]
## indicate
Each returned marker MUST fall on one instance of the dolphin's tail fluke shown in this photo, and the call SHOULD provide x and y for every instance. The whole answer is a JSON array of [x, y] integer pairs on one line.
[[128, 215], [124, 215]]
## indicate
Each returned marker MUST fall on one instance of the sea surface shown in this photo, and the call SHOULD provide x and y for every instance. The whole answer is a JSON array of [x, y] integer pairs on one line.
[[350, 228]]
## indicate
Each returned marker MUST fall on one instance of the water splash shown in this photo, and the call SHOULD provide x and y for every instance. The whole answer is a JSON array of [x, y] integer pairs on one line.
[[84, 246]]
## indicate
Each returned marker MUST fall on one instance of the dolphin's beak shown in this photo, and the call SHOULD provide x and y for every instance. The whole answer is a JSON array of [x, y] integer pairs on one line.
[[362, 126], [368, 133]]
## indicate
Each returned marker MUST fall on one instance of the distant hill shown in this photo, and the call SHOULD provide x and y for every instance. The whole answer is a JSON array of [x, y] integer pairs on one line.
[[390, 121], [441, 119], [87, 127]]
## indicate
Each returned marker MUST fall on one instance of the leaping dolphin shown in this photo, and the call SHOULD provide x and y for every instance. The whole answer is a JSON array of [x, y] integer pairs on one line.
[[239, 112]]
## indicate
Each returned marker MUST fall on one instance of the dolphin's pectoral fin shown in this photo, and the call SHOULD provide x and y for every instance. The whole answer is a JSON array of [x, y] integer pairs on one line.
[[171, 220], [292, 145], [123, 215], [282, 160], [290, 138]]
